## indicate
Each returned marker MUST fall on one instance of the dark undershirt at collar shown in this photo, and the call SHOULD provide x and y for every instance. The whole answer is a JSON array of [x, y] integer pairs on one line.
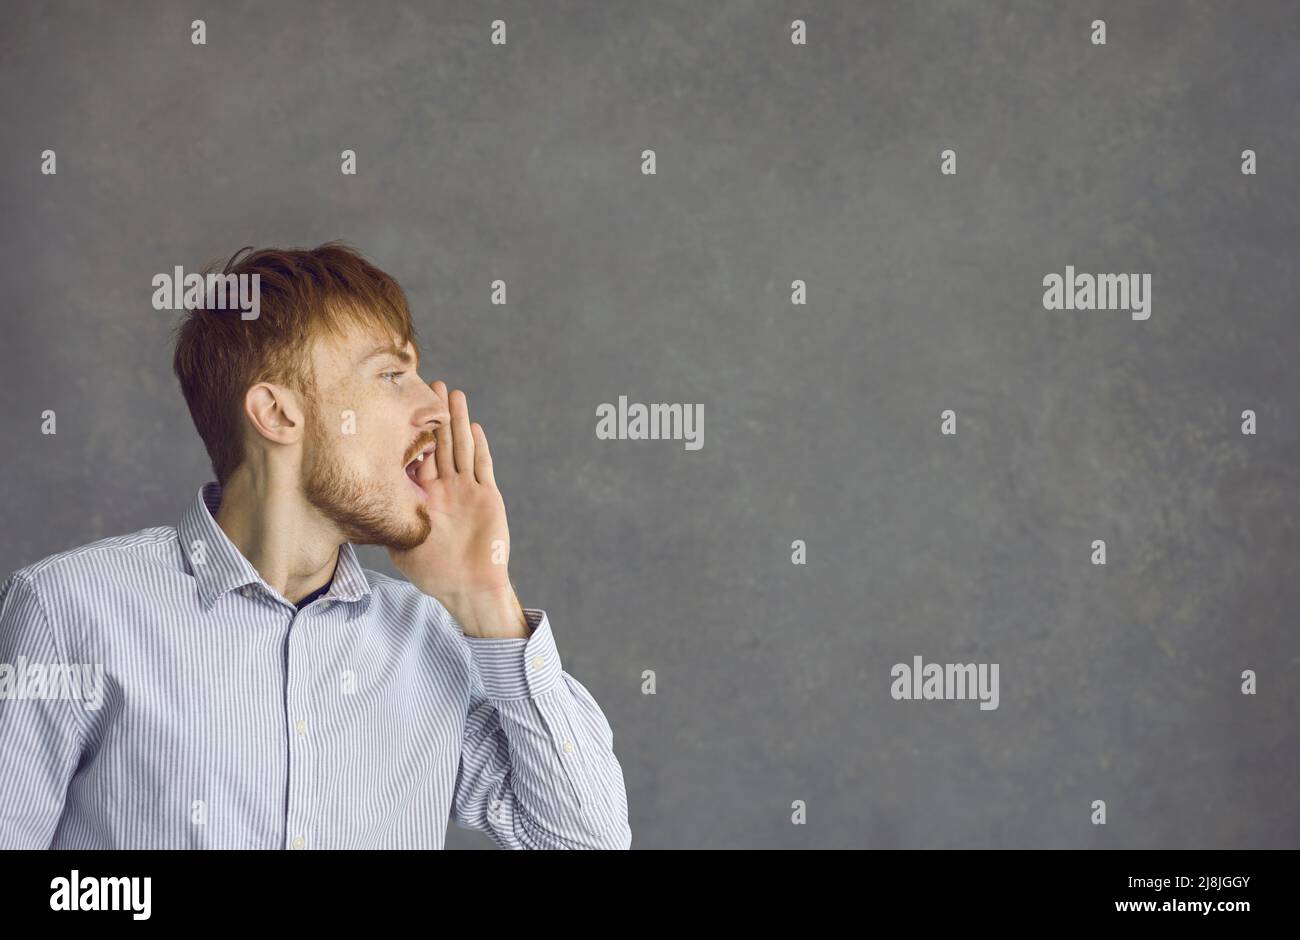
[[314, 594]]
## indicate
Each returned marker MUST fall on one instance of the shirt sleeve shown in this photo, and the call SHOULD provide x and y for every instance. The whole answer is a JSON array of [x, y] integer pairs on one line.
[[537, 765], [40, 738]]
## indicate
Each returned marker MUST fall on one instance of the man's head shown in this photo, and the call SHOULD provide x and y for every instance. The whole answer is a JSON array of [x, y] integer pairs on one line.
[[321, 389]]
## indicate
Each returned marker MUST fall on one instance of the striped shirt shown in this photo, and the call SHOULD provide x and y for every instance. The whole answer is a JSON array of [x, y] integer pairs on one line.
[[155, 692]]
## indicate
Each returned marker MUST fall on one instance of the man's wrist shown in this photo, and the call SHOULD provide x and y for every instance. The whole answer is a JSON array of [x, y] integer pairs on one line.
[[489, 614]]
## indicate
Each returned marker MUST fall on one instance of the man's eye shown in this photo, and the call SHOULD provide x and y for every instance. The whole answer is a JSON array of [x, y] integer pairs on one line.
[[391, 376]]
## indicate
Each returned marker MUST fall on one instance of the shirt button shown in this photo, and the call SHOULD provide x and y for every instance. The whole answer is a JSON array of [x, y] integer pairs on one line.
[[301, 726], [326, 606], [247, 592], [299, 842], [568, 747], [537, 662]]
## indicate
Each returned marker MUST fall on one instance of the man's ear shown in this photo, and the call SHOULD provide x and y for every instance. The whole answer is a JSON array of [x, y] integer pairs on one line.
[[274, 412]]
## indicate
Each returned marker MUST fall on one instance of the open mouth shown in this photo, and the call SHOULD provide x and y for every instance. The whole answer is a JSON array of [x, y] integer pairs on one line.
[[413, 468]]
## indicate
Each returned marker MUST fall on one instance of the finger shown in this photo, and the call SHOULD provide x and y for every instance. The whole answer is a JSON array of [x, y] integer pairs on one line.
[[482, 457], [462, 440], [442, 457]]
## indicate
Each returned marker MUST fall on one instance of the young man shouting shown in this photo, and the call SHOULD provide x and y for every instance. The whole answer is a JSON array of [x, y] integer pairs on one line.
[[239, 680]]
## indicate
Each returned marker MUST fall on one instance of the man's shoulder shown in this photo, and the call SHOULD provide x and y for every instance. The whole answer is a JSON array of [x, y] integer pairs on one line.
[[406, 601], [393, 588], [151, 546], [396, 591]]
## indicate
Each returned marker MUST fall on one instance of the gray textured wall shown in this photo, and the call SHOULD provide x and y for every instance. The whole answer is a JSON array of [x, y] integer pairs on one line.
[[775, 162]]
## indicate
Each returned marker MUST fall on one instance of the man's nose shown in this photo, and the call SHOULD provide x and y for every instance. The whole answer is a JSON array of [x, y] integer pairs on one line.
[[439, 412]]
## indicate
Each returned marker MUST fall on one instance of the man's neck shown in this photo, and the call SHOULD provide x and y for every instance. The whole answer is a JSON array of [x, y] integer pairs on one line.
[[292, 548]]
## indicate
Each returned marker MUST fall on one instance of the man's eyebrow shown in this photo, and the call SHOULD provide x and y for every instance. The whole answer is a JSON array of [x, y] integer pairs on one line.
[[388, 349]]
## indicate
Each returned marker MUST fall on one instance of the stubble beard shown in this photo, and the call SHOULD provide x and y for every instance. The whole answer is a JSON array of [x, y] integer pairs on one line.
[[363, 517]]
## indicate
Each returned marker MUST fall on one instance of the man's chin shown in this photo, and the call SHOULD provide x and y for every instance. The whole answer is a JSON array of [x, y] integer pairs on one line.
[[389, 533], [407, 538], [417, 536]]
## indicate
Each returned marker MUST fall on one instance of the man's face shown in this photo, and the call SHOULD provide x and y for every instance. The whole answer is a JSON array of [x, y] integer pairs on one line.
[[373, 417]]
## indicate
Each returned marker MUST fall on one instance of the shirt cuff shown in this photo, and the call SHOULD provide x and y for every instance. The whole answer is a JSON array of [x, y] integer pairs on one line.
[[518, 667]]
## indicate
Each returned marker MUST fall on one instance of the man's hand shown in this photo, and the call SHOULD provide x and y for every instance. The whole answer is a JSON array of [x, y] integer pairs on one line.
[[463, 561]]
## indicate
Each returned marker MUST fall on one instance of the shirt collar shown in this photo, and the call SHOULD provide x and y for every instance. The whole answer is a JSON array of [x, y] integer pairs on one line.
[[218, 566]]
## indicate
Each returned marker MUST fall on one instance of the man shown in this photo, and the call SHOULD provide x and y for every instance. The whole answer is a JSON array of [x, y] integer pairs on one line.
[[239, 680]]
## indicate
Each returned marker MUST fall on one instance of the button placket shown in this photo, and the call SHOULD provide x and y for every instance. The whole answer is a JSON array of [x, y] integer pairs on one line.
[[297, 702]]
